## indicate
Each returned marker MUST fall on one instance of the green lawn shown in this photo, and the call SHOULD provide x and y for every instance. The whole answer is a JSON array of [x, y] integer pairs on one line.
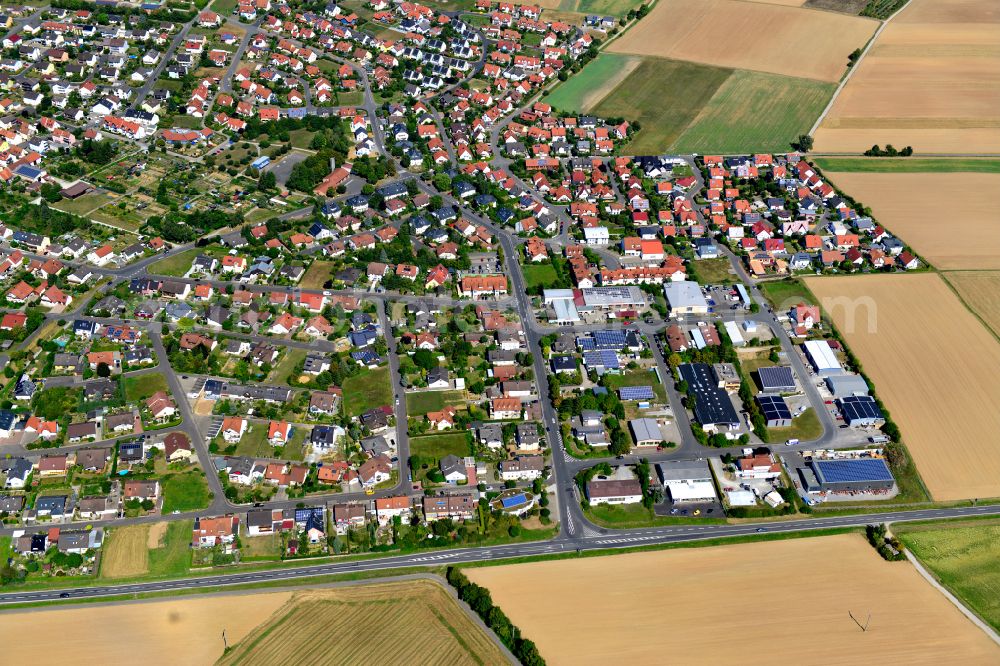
[[174, 557], [176, 265], [909, 164], [356, 98], [186, 491], [142, 386], [296, 448], [636, 378], [85, 204], [805, 427], [316, 275], [366, 390], [255, 443], [536, 275], [754, 111], [785, 294], [283, 371], [421, 402], [964, 557], [440, 445], [713, 271]]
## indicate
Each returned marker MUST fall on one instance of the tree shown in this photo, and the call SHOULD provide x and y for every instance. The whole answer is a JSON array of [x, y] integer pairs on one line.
[[423, 358], [267, 181], [103, 370], [803, 143]]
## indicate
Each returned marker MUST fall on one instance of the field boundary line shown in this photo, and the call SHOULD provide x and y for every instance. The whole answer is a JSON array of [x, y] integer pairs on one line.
[[965, 610], [854, 68], [958, 295]]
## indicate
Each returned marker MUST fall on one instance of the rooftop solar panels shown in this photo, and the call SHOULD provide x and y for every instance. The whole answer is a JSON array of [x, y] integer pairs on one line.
[[778, 378], [861, 409], [605, 358], [609, 339], [636, 393], [774, 408], [516, 500], [857, 471]]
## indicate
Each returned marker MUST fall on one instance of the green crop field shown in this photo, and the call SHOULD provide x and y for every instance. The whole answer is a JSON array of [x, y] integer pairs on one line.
[[602, 7], [664, 96], [965, 558], [581, 87], [366, 390], [753, 111], [909, 164]]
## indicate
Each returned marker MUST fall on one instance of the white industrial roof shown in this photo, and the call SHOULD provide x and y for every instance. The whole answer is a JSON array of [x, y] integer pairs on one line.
[[684, 294], [690, 491], [822, 356]]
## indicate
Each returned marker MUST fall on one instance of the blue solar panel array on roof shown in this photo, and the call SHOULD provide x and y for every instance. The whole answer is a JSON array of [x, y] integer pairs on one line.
[[508, 502], [860, 470]]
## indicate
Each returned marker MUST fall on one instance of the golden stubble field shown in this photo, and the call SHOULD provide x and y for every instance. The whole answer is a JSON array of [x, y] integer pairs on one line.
[[948, 218], [182, 631], [931, 80], [126, 551], [412, 622], [981, 292], [758, 603], [934, 365], [749, 35]]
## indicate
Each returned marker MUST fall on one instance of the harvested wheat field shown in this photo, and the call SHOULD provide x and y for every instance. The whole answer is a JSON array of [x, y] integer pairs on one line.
[[416, 622], [934, 365], [765, 603], [980, 290], [729, 33], [948, 218], [183, 631], [931, 81], [126, 551]]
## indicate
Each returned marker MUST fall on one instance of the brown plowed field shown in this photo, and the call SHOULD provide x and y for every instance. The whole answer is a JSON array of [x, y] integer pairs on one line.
[[934, 365], [749, 35], [931, 81], [948, 218], [758, 603]]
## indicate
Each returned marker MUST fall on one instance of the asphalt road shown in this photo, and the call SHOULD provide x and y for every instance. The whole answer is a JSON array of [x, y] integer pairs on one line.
[[608, 540]]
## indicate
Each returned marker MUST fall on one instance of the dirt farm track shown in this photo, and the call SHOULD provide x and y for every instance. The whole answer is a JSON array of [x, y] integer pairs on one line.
[[934, 365], [759, 603]]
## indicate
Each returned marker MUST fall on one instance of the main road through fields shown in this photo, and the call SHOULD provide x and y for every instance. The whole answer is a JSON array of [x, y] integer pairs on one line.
[[611, 540]]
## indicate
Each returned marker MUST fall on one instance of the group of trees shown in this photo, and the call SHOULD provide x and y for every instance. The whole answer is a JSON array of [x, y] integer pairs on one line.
[[889, 547], [888, 151], [479, 600]]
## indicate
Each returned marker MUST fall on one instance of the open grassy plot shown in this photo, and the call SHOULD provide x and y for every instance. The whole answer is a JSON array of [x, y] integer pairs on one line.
[[418, 619], [367, 390], [186, 630], [421, 402], [636, 378], [171, 555], [140, 387], [965, 557], [784, 294], [931, 81], [125, 553], [935, 367], [664, 96], [852, 7], [909, 164], [538, 274], [805, 426], [285, 368], [714, 271], [186, 491], [439, 446], [908, 204], [85, 204], [602, 7], [585, 89], [980, 291], [728, 33], [810, 585], [754, 111], [316, 275], [175, 265], [254, 443]]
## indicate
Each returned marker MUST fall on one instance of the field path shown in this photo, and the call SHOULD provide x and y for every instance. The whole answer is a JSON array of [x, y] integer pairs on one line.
[[929, 577], [850, 72]]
